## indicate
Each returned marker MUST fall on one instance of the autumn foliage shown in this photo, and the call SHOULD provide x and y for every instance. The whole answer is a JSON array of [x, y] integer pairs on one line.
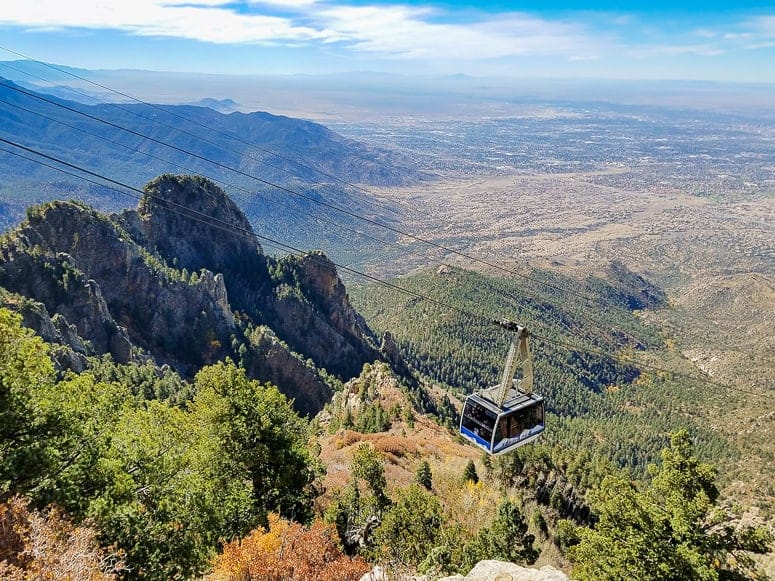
[[288, 551], [36, 545]]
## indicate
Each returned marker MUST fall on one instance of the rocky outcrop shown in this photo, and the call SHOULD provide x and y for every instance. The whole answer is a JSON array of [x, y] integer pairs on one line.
[[191, 222], [392, 353], [320, 282], [193, 225], [70, 350], [271, 360], [81, 264], [166, 280], [315, 317], [501, 571], [34, 269]]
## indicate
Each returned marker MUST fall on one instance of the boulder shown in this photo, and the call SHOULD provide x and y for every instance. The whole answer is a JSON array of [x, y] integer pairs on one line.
[[502, 571]]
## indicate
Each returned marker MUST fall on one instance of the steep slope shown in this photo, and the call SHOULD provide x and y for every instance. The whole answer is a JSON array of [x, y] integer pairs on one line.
[[159, 282], [311, 309], [191, 222], [375, 411], [292, 153], [123, 285]]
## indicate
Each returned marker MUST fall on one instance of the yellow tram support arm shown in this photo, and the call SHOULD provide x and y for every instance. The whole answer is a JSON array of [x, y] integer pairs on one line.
[[519, 355]]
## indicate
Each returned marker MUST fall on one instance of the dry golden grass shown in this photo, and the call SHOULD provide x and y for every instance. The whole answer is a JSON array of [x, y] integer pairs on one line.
[[403, 446], [395, 446], [346, 438]]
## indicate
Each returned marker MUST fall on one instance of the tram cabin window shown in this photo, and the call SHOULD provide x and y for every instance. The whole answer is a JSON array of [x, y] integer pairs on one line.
[[519, 424], [479, 420]]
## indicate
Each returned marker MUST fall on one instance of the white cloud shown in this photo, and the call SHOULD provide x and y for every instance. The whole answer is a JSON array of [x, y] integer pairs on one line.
[[705, 33], [410, 32], [284, 3], [738, 35], [206, 20], [760, 45], [765, 25], [752, 34], [390, 30], [671, 50], [584, 58]]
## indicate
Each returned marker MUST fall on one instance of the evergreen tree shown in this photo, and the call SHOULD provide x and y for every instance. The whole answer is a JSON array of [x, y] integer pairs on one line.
[[506, 539], [368, 464], [670, 530], [257, 428], [470, 473], [423, 476], [27, 425], [411, 527], [356, 509]]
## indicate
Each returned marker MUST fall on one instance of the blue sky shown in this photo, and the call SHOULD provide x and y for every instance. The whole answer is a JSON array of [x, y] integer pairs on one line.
[[638, 40]]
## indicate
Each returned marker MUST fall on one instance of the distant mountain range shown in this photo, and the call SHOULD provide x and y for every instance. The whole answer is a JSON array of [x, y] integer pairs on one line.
[[294, 161], [220, 105], [368, 95]]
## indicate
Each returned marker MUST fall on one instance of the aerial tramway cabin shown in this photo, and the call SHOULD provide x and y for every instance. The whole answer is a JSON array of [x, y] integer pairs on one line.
[[507, 415]]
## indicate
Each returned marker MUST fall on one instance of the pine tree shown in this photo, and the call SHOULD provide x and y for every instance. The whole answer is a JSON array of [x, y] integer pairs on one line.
[[470, 473], [506, 539], [423, 476], [670, 530]]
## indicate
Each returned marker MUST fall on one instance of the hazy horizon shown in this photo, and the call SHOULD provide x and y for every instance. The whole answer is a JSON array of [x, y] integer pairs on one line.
[[363, 94]]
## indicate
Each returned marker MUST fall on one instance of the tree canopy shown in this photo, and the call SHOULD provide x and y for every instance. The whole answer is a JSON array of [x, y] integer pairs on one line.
[[671, 529], [162, 483]]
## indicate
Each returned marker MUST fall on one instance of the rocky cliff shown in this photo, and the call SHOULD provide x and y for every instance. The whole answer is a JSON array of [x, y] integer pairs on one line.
[[70, 349], [165, 281], [311, 307], [193, 224], [84, 266]]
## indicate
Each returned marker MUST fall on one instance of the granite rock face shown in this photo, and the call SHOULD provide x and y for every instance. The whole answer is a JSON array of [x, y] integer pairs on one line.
[[85, 267], [70, 351], [315, 317], [193, 224], [34, 263], [165, 280], [270, 360]]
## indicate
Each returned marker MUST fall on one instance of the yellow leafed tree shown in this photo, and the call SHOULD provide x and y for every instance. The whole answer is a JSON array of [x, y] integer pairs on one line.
[[288, 551]]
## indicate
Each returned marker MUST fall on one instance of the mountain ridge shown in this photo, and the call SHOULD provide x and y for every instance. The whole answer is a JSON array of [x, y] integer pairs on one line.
[[277, 167], [162, 283]]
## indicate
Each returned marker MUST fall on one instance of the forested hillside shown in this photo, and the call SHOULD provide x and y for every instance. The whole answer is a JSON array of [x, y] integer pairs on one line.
[[586, 351], [164, 284], [220, 475], [162, 483]]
